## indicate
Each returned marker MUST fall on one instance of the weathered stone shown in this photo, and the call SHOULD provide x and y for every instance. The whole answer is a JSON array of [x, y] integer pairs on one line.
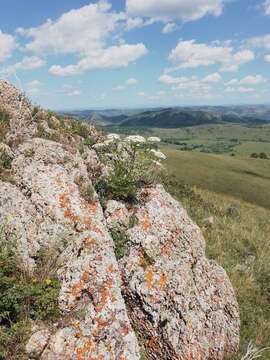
[[22, 124], [183, 304], [37, 343], [45, 173], [117, 215]]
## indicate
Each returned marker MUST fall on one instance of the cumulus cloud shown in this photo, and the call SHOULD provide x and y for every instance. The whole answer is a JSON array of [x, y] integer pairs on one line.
[[190, 85], [240, 89], [267, 58], [114, 57], [69, 90], [189, 54], [166, 10], [128, 82], [170, 27], [212, 78], [85, 33], [7, 45], [266, 7], [131, 81], [27, 63], [33, 88], [262, 41], [248, 80]]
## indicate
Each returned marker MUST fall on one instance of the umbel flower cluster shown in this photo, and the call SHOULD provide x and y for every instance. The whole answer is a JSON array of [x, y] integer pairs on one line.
[[132, 162]]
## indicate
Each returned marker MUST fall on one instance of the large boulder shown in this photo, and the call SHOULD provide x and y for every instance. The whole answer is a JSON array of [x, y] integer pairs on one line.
[[182, 305], [46, 207]]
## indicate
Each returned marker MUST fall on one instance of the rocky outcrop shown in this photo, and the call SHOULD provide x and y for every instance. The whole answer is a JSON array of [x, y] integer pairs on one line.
[[162, 300], [182, 304], [22, 121]]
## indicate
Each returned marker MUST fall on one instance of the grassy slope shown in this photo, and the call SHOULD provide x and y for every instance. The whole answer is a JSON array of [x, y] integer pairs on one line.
[[242, 140], [244, 178], [239, 243]]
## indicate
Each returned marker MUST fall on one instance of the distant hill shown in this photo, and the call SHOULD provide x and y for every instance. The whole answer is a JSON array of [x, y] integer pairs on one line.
[[176, 117]]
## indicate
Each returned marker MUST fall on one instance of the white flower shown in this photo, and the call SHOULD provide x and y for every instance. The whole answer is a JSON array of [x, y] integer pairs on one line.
[[135, 139], [154, 139], [159, 154], [108, 142], [113, 137], [157, 163], [99, 146]]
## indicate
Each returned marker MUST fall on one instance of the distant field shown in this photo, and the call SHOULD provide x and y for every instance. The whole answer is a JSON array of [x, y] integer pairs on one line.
[[244, 178], [236, 139]]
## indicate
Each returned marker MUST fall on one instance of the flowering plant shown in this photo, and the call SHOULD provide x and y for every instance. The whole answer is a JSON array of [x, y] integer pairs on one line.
[[131, 162]]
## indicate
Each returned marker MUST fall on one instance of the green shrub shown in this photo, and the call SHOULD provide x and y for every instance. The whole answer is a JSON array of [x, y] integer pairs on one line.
[[132, 163], [23, 298], [121, 240], [4, 124]]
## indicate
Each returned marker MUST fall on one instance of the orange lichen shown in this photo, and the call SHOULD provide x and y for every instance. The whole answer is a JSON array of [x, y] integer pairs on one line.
[[145, 223], [104, 295], [89, 242], [149, 278], [162, 282], [89, 346], [66, 206], [166, 250], [122, 357], [92, 207], [77, 288]]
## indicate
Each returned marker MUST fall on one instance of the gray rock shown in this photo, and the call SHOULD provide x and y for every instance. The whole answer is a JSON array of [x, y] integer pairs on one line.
[[183, 304], [117, 215], [37, 343]]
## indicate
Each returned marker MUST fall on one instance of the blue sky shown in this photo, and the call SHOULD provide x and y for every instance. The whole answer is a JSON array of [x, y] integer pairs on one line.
[[137, 53]]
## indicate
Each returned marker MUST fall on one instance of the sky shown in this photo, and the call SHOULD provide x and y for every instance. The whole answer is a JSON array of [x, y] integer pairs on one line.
[[78, 54]]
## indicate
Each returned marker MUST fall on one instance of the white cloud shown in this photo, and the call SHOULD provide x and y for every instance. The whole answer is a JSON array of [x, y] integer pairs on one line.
[[266, 7], [114, 57], [267, 58], [131, 81], [27, 63], [184, 10], [128, 82], [84, 32], [212, 78], [189, 85], [33, 88], [141, 93], [119, 88], [7, 45], [189, 54], [248, 80], [170, 27], [262, 41], [133, 23], [240, 89], [69, 90]]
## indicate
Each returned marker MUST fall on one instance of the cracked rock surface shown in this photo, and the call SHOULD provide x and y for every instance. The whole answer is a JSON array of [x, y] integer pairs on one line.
[[182, 304], [163, 300]]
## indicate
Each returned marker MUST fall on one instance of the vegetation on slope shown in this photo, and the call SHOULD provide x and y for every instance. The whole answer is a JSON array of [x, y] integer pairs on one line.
[[243, 178], [24, 298], [237, 237]]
